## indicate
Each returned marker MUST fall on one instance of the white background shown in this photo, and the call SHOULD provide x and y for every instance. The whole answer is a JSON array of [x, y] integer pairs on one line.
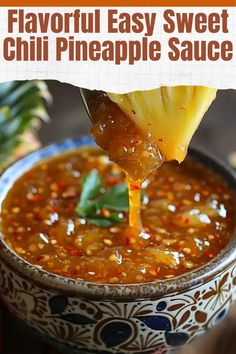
[[123, 78]]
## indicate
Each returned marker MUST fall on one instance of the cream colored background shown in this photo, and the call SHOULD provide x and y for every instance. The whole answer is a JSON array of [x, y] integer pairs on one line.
[[122, 78]]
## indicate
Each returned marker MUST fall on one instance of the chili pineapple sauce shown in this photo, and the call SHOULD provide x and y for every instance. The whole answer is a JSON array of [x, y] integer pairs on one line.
[[187, 213]]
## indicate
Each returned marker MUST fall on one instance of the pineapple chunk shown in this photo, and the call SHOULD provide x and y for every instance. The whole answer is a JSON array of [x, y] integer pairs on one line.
[[170, 114], [165, 257]]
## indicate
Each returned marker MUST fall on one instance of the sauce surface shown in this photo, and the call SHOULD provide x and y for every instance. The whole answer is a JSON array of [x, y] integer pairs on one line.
[[187, 213]]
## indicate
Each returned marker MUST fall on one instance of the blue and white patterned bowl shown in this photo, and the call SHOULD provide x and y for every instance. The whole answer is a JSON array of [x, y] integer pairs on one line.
[[146, 318]]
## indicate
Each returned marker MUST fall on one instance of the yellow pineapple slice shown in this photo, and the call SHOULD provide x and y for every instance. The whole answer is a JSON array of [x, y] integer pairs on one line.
[[170, 114]]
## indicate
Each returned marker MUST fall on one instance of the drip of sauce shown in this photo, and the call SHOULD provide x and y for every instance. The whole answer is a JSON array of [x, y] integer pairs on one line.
[[135, 205]]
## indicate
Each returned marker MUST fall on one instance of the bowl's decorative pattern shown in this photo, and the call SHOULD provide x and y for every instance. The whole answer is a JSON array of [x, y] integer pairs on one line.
[[103, 326]]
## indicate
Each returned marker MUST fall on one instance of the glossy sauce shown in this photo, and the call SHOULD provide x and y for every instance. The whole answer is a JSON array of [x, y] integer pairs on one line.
[[131, 148], [187, 212], [135, 205]]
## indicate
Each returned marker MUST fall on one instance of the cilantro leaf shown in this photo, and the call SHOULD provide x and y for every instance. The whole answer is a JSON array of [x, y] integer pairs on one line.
[[93, 200], [103, 221], [116, 198], [91, 188]]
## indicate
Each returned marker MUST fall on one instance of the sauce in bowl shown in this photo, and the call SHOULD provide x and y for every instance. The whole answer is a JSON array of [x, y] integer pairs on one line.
[[187, 214]]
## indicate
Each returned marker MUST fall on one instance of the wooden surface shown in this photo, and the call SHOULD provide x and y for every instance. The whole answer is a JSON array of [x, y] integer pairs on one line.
[[216, 134]]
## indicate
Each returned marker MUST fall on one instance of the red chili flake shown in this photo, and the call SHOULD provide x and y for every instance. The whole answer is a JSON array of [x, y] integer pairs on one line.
[[40, 258], [135, 187], [69, 275], [209, 254], [70, 248], [127, 241], [37, 197], [113, 180], [151, 235], [62, 184], [33, 197], [76, 252], [125, 146], [133, 111], [186, 221], [52, 209], [160, 140]]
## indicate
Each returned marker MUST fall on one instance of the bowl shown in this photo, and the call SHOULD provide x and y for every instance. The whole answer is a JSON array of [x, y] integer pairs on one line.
[[154, 317]]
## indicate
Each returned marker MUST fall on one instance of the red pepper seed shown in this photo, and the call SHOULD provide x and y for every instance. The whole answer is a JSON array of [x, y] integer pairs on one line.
[[40, 258], [76, 253], [135, 187], [69, 248]]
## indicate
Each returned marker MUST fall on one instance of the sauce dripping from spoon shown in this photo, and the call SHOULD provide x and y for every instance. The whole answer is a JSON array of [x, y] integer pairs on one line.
[[135, 205]]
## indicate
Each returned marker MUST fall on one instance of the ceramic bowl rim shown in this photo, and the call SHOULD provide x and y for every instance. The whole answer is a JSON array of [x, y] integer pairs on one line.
[[85, 289]]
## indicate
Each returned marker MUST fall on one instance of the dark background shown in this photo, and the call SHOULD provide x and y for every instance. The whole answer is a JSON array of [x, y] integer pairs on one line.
[[216, 133]]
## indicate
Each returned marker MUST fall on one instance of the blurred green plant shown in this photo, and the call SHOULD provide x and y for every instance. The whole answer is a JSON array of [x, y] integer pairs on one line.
[[22, 108]]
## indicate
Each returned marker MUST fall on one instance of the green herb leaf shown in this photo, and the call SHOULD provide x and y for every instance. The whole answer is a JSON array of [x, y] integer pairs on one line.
[[92, 200], [91, 188], [105, 221], [116, 198]]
